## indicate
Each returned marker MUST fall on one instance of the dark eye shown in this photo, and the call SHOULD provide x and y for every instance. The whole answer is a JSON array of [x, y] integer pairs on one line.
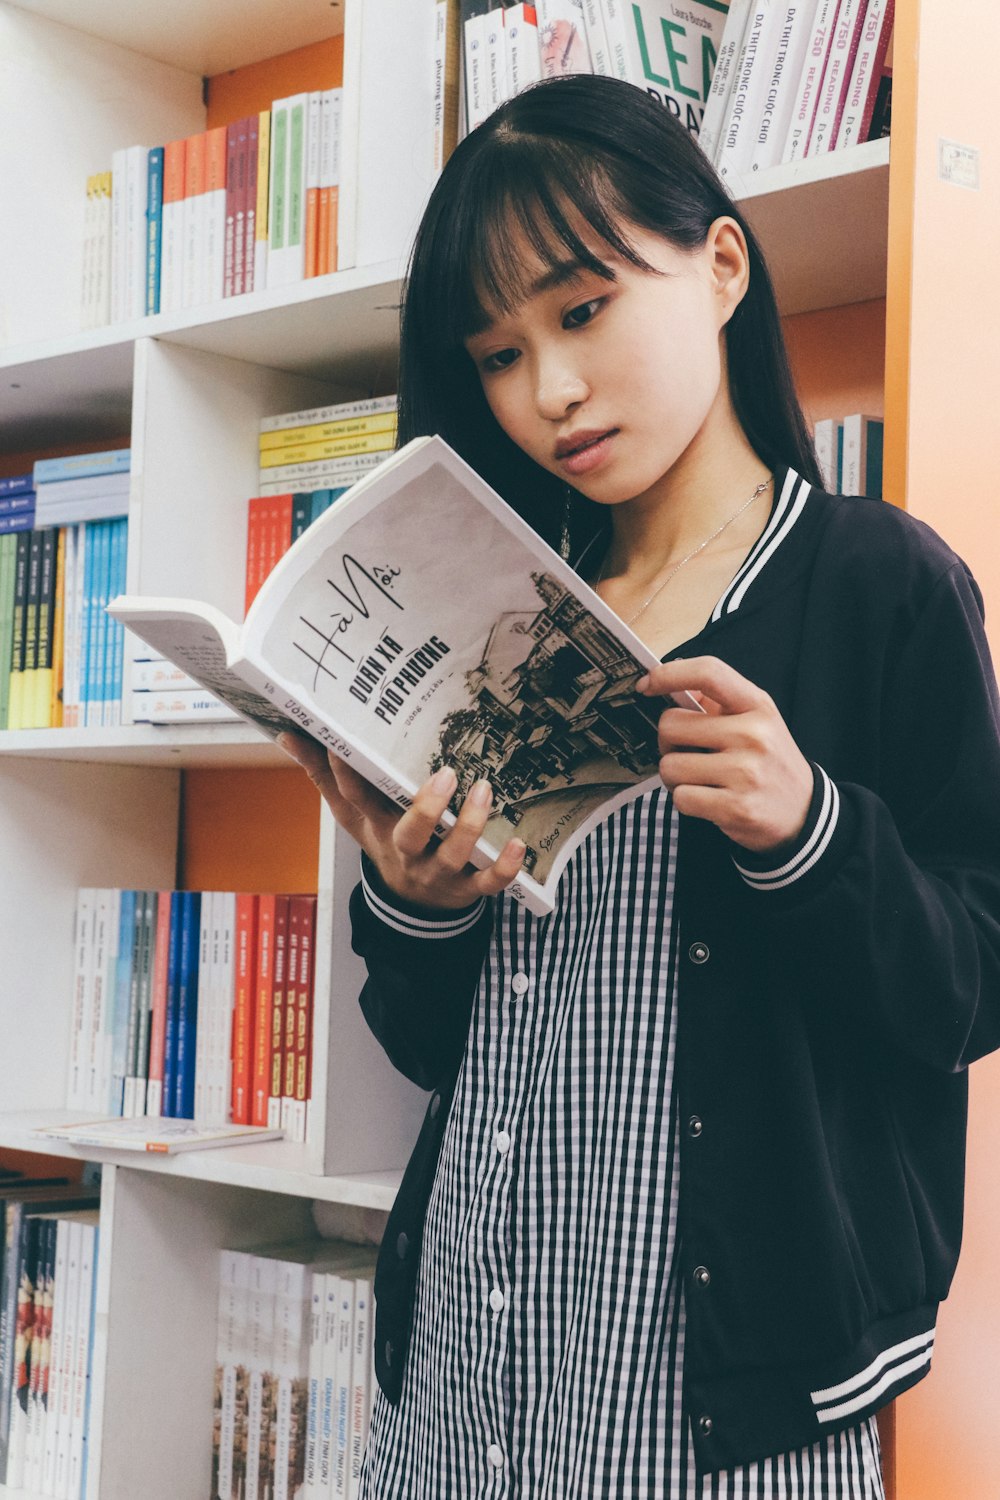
[[501, 360], [578, 317]]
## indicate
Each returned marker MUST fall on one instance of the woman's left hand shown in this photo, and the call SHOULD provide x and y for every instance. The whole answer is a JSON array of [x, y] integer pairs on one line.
[[754, 783]]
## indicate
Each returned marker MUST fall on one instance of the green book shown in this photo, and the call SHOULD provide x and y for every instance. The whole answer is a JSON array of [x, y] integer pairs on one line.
[[8, 559]]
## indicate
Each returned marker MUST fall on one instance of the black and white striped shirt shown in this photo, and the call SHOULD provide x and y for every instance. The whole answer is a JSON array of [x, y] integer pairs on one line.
[[547, 1352]]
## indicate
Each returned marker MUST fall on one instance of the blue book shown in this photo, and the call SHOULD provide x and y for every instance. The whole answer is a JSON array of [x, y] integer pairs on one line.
[[23, 520], [302, 516], [76, 465], [154, 227], [12, 505], [187, 1007], [97, 598], [86, 616], [873, 459], [116, 632], [840, 459], [321, 501], [173, 1004], [17, 484], [122, 999]]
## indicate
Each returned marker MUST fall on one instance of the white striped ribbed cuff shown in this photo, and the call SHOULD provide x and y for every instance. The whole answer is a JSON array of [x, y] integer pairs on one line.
[[812, 850], [870, 1384], [422, 927]]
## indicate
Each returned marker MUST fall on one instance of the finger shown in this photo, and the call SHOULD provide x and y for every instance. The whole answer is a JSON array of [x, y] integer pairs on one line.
[[505, 868], [455, 849], [678, 728], [686, 768], [733, 692], [415, 829]]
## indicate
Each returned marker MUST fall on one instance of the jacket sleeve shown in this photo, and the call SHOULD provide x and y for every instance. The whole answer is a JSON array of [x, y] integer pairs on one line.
[[890, 898], [423, 971]]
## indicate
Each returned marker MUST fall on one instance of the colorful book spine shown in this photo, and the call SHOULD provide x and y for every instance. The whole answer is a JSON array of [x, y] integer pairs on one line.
[[839, 66], [259, 230], [263, 1019], [810, 80], [243, 1007], [187, 1006], [172, 231], [154, 228], [862, 89], [213, 217], [349, 447], [192, 237], [279, 988], [786, 68]]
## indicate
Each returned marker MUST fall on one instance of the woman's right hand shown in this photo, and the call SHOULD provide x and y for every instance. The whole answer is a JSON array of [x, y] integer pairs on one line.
[[412, 861]]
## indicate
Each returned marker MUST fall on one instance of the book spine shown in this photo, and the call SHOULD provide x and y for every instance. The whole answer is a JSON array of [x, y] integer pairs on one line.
[[323, 432], [279, 989], [263, 1019], [206, 999], [810, 81], [18, 622], [130, 1061], [151, 937], [349, 447], [597, 38], [476, 92], [86, 901], [74, 466], [317, 1288], [287, 1088], [121, 1005], [286, 258], [328, 1387], [241, 172], [785, 72], [562, 37], [243, 1007], [42, 714], [361, 1377], [160, 979], [836, 78], [224, 1417], [20, 1372], [57, 1360], [214, 214], [118, 195], [102, 289], [26, 718], [172, 240], [723, 76], [227, 1000], [495, 59], [187, 1005], [102, 597], [258, 231], [263, 1276], [104, 915], [84, 1344], [524, 57], [862, 89], [315, 110], [232, 198], [345, 411], [342, 1394], [8, 558], [191, 218], [753, 73], [64, 1415], [302, 1088], [58, 632], [40, 1355], [137, 186], [154, 228]]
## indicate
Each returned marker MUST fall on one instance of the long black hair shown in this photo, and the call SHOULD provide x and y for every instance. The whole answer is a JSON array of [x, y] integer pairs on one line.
[[605, 149]]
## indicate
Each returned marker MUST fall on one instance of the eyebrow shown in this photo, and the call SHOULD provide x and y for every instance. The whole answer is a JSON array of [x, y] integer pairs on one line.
[[559, 274]]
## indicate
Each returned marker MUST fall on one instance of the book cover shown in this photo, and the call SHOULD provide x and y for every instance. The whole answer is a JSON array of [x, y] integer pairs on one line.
[[862, 89], [369, 636], [772, 129], [808, 85], [669, 48], [164, 1137], [749, 94], [723, 77], [839, 67], [154, 228]]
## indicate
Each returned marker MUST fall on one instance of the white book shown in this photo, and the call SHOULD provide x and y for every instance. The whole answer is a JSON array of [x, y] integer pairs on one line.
[[81, 1015], [67, 1373], [865, 72], [263, 1284], [291, 1367], [212, 227], [224, 1423], [162, 1136], [327, 1394], [753, 74], [362, 1354], [172, 243], [205, 1018], [81, 1357], [836, 77], [241, 1371], [158, 676], [106, 933], [597, 38], [857, 435], [286, 254], [136, 242], [667, 48], [119, 262], [57, 1359], [477, 94], [102, 291], [184, 707], [825, 443], [419, 645], [343, 411], [496, 59], [227, 1001], [524, 61], [317, 1294], [318, 473], [772, 128], [723, 76], [807, 89], [88, 262], [562, 37], [340, 1457]]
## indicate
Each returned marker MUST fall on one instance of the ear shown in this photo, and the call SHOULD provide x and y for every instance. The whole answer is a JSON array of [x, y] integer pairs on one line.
[[729, 265]]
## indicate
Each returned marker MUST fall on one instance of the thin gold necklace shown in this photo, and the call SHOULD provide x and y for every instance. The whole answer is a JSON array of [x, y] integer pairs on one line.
[[694, 553]]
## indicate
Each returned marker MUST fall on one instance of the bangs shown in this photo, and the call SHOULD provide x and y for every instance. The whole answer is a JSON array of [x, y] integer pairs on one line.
[[524, 192]]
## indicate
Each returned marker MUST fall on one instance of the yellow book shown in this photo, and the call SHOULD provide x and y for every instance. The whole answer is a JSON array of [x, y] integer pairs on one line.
[[14, 720], [323, 432], [58, 627], [42, 692], [304, 453], [260, 212]]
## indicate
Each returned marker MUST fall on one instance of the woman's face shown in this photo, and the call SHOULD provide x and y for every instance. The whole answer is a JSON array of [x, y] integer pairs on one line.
[[606, 384]]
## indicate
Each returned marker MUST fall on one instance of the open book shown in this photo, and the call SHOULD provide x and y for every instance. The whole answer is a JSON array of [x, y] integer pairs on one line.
[[419, 622]]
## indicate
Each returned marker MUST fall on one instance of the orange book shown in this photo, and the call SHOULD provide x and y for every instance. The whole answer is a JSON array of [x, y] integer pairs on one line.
[[213, 247], [257, 510], [263, 1006], [313, 129], [195, 177], [243, 1007], [279, 532], [278, 989], [172, 230]]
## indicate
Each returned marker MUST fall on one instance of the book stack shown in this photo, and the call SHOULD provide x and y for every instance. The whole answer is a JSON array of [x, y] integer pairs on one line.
[[666, 49], [794, 80], [48, 1272], [61, 656], [294, 1371], [274, 522], [230, 210], [162, 694], [325, 447], [17, 503], [849, 451], [193, 1005]]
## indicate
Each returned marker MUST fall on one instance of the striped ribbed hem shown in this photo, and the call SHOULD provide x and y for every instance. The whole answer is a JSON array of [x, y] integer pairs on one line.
[[813, 842], [446, 925], [876, 1383]]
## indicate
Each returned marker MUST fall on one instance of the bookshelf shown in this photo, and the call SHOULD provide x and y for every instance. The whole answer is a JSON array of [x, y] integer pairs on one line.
[[103, 807]]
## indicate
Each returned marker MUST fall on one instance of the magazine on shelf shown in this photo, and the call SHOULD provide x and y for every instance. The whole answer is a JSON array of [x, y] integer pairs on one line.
[[162, 1136], [420, 623]]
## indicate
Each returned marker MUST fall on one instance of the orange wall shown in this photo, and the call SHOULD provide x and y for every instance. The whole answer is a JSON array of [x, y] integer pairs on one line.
[[249, 831], [244, 91]]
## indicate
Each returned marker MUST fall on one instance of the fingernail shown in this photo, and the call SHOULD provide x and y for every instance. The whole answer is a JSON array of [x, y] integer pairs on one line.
[[519, 847], [444, 781], [481, 794], [642, 684]]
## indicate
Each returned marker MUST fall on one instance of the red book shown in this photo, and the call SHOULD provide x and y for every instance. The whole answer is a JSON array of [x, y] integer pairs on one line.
[[239, 240], [250, 218], [279, 531], [243, 1007], [304, 1016], [158, 1018], [258, 524], [232, 196], [279, 985], [295, 916], [262, 1009]]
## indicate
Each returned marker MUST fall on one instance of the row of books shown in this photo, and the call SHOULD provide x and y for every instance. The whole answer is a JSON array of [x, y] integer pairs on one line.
[[61, 655], [667, 49], [63, 491], [226, 211], [849, 451], [294, 1371], [326, 446], [161, 694], [48, 1268], [193, 1005], [796, 80]]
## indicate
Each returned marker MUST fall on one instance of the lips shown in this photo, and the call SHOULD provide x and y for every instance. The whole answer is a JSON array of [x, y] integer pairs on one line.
[[568, 446]]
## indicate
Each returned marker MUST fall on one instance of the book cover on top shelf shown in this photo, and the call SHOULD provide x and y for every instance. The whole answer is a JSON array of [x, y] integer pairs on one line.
[[402, 653]]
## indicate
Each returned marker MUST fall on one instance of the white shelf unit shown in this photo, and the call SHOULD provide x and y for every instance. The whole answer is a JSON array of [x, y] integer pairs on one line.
[[101, 807]]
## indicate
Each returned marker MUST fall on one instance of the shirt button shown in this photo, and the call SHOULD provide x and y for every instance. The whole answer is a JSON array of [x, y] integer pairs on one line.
[[495, 1456], [695, 1127], [435, 1105], [402, 1245], [497, 1300], [519, 983], [502, 1142], [705, 1424], [702, 1275], [698, 953]]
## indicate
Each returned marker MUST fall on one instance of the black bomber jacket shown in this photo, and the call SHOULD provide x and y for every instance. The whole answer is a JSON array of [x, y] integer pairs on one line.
[[831, 995]]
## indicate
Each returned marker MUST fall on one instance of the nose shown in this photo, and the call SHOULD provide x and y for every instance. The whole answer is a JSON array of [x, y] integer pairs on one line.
[[559, 387]]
